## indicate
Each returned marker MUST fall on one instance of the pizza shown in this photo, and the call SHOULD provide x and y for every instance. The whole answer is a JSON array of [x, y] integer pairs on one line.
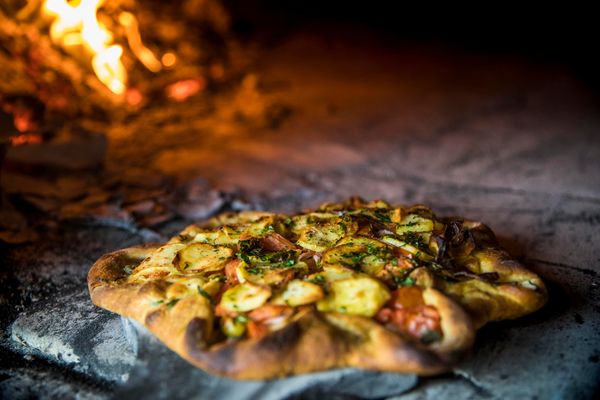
[[257, 295]]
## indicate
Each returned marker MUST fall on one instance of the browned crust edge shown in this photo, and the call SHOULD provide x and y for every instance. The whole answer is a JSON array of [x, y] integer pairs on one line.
[[314, 342], [506, 299]]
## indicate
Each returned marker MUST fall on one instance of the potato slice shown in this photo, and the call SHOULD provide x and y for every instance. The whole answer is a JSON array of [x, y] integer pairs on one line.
[[159, 264], [237, 218], [366, 254], [360, 296], [244, 297], [297, 293], [201, 257], [268, 276], [408, 247], [320, 237], [301, 222], [177, 290], [184, 286], [335, 272], [222, 236], [261, 226], [414, 223]]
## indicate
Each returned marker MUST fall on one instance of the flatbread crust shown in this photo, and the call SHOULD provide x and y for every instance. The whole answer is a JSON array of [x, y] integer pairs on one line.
[[318, 338], [514, 292]]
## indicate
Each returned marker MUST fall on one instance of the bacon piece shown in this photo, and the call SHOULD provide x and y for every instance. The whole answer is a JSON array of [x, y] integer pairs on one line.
[[230, 272], [276, 242], [407, 312], [256, 330], [219, 312], [266, 316], [408, 297], [270, 311]]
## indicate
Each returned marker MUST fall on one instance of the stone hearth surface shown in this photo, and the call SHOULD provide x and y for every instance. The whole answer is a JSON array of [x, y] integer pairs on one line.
[[494, 138]]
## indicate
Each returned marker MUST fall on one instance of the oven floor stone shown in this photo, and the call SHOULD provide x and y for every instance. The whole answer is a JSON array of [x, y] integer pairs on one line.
[[70, 330], [509, 142]]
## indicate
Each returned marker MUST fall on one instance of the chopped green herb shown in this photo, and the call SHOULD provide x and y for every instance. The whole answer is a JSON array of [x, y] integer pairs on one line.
[[241, 319], [353, 258], [184, 238], [290, 262], [251, 246], [206, 295], [157, 302], [395, 262], [381, 216], [318, 279], [414, 239], [408, 281], [409, 224], [254, 270], [287, 221], [267, 229], [430, 337], [371, 248], [128, 269], [172, 303], [243, 257]]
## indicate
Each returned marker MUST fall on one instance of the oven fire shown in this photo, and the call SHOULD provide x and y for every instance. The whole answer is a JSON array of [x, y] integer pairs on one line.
[[90, 92], [104, 60], [77, 25]]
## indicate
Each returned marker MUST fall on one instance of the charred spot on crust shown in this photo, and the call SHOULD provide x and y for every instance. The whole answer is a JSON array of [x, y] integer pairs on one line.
[[152, 317], [195, 333], [280, 341], [220, 359], [115, 266]]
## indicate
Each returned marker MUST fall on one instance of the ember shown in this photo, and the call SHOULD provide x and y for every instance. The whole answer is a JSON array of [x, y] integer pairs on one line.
[[181, 90], [20, 140]]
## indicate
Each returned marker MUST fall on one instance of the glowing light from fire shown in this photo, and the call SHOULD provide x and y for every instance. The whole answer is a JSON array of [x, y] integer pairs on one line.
[[76, 23], [180, 91], [135, 42], [30, 138], [134, 97], [168, 59]]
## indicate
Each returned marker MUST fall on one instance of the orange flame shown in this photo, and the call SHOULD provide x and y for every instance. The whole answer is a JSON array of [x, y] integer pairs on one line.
[[79, 25], [76, 23]]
